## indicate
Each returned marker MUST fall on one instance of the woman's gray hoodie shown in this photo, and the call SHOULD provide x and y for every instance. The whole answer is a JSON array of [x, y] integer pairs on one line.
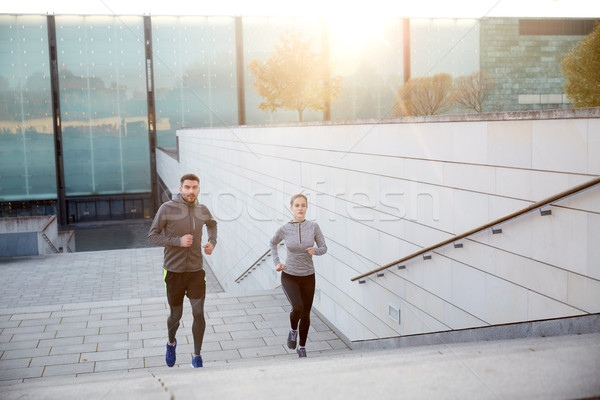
[[299, 236]]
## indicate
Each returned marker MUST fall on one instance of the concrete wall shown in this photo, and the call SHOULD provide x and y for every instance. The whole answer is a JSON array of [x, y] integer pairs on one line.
[[381, 190], [18, 244], [25, 236]]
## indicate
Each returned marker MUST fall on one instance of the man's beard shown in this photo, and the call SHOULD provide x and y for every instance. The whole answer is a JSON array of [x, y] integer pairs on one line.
[[186, 198]]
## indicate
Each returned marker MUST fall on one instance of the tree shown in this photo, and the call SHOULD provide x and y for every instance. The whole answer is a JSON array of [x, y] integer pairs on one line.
[[425, 96], [581, 68], [294, 78], [473, 90]]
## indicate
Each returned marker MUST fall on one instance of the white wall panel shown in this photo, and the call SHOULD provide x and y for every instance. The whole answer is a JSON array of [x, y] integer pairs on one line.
[[509, 143], [560, 145], [381, 191]]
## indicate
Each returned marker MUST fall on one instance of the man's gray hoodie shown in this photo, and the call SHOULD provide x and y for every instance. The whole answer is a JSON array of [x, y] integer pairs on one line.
[[175, 219]]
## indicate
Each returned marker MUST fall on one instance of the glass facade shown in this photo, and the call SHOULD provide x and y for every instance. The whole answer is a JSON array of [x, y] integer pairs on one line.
[[194, 74], [444, 46], [103, 104], [261, 35], [103, 90], [27, 170], [369, 56]]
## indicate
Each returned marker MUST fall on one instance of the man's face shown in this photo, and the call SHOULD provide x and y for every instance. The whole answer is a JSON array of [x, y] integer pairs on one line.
[[189, 190]]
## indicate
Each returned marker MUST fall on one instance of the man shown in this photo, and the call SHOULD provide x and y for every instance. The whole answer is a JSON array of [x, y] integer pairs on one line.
[[177, 227]]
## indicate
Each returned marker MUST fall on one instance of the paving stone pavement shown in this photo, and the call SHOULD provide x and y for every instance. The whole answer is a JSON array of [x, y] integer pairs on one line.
[[93, 325], [101, 312]]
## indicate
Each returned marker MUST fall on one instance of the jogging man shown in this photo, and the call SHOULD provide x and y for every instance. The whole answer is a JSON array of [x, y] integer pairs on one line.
[[177, 227]]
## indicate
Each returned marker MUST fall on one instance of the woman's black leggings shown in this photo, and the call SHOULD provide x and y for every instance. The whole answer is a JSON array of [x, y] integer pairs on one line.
[[300, 291]]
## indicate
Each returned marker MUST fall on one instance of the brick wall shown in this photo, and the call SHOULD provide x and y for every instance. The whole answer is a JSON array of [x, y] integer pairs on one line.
[[525, 68]]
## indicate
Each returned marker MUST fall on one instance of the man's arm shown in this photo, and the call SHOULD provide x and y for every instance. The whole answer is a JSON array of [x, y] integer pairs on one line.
[[156, 236], [211, 229]]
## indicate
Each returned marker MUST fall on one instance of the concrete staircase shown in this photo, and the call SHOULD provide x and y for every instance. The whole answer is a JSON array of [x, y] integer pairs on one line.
[[92, 325], [562, 367]]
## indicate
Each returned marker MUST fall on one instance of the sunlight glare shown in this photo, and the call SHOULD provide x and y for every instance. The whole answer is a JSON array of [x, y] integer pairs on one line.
[[358, 30], [351, 34]]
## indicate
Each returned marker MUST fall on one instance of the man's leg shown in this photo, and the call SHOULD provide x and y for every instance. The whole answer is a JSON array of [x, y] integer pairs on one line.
[[199, 324], [175, 293], [173, 321], [196, 292]]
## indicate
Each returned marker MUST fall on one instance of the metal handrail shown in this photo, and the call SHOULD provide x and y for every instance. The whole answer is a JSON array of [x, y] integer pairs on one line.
[[47, 239], [498, 221], [239, 278]]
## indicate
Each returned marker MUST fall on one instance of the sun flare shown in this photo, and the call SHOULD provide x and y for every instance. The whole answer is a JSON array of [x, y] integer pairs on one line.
[[356, 31]]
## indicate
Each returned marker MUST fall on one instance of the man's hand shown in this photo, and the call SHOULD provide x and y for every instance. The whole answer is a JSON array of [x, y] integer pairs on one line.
[[208, 248], [187, 240]]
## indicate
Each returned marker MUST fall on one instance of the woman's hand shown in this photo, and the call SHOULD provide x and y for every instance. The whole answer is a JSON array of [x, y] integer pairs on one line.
[[279, 267], [311, 251]]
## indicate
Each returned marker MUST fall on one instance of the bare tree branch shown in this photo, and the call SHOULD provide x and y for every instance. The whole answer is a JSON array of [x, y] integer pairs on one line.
[[425, 96], [473, 90]]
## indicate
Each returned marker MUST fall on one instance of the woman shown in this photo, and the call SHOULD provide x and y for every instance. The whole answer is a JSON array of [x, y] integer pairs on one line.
[[298, 272]]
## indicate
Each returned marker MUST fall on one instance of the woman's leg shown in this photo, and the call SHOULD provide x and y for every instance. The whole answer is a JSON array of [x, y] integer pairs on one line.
[[300, 291], [307, 293], [291, 288]]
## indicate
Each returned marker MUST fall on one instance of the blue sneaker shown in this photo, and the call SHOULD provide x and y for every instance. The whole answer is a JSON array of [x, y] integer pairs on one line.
[[170, 356], [197, 362]]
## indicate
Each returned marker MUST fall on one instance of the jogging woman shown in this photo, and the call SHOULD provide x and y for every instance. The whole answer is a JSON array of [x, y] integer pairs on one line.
[[303, 239]]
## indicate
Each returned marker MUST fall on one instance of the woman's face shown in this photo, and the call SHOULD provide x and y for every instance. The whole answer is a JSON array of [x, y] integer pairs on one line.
[[299, 208]]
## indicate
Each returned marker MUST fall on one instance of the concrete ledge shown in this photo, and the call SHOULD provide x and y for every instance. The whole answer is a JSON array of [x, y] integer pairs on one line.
[[545, 328], [559, 113]]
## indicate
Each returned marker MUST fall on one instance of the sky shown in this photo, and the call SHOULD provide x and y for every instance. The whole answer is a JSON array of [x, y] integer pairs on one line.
[[313, 8]]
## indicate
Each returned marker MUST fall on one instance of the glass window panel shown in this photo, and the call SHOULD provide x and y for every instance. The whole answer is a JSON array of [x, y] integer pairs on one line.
[[148, 206], [444, 46], [261, 35], [369, 56], [103, 210], [194, 74], [86, 211], [27, 161], [103, 104], [134, 209], [116, 209]]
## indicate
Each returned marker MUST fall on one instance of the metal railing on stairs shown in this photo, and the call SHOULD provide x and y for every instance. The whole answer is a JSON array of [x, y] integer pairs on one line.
[[255, 264], [252, 267], [491, 224], [50, 244]]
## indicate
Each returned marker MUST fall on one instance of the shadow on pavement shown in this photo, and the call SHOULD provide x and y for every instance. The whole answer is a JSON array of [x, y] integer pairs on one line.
[[111, 235]]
